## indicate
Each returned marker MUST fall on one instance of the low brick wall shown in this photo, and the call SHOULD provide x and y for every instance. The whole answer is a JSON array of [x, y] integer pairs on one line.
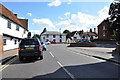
[[118, 48], [1, 44], [92, 44]]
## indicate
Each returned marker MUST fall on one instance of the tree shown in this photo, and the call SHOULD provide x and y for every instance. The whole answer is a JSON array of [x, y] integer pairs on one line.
[[114, 13], [66, 31], [36, 36]]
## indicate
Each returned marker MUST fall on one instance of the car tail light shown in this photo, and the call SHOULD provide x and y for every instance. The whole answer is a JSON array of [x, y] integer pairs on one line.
[[18, 49], [40, 47]]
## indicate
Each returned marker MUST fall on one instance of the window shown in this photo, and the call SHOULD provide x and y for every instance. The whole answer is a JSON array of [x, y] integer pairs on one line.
[[103, 33], [17, 27], [60, 40], [43, 37], [54, 40], [47, 35], [24, 31], [4, 41], [53, 36], [15, 42], [9, 24], [29, 42], [60, 36], [103, 27]]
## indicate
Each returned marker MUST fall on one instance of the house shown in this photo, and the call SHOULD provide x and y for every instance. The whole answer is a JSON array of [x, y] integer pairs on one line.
[[12, 29], [53, 36], [103, 33], [74, 36], [89, 36]]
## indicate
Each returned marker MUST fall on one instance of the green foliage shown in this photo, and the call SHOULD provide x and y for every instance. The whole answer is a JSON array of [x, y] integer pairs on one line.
[[66, 31], [35, 36]]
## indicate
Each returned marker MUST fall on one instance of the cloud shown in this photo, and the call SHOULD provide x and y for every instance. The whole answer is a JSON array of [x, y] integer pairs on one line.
[[30, 14], [83, 21], [68, 1], [45, 22], [55, 3], [103, 13], [60, 18], [67, 13]]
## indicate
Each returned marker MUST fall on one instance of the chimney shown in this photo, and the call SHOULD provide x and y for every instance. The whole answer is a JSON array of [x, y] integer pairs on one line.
[[15, 15], [95, 30]]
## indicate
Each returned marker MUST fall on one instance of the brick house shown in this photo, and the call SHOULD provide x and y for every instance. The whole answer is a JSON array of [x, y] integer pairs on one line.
[[103, 33], [12, 29]]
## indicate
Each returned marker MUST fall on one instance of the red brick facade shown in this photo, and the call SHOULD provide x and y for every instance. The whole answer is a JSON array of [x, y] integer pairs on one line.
[[103, 33], [1, 44]]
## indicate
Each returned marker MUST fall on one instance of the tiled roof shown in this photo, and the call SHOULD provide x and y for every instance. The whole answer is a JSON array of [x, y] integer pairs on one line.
[[53, 33], [8, 14], [89, 34]]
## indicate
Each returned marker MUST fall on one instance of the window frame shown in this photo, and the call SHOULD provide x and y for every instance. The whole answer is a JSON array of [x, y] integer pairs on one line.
[[17, 27], [9, 24], [15, 41], [4, 41], [54, 36]]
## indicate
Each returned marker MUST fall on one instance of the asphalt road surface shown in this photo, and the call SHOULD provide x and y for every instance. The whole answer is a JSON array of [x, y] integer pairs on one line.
[[61, 63]]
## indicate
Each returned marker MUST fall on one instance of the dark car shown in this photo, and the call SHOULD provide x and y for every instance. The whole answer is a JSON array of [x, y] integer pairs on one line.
[[30, 47]]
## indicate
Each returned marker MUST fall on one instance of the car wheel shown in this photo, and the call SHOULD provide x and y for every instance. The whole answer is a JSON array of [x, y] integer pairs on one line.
[[20, 58], [41, 57]]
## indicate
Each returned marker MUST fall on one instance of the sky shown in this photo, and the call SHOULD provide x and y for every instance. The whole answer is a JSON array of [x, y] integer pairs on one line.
[[57, 15]]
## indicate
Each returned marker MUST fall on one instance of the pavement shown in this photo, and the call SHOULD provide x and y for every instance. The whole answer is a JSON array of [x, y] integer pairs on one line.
[[102, 51], [7, 55]]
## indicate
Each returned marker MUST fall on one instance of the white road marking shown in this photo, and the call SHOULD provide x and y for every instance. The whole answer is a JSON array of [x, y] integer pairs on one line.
[[72, 76], [51, 54], [66, 71], [7, 64]]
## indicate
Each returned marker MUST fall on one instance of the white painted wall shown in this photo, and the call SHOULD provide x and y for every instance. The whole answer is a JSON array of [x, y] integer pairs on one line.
[[50, 38], [13, 32]]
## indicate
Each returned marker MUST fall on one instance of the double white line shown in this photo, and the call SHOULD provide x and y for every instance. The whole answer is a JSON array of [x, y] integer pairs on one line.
[[2, 67]]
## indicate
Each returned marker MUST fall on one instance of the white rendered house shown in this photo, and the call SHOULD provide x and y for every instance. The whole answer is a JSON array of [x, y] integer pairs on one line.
[[12, 29], [53, 36]]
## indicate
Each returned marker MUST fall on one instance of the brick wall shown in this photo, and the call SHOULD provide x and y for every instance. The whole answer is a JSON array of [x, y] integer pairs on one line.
[[102, 30], [1, 44]]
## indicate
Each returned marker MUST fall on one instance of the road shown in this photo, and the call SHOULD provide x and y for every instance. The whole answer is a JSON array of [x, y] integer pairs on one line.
[[60, 62]]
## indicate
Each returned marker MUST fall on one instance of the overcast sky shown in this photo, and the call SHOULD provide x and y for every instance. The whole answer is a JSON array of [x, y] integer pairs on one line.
[[56, 15]]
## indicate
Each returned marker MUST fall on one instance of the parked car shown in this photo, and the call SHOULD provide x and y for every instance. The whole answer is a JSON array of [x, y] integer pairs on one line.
[[84, 41], [47, 42], [53, 42], [30, 47], [43, 46]]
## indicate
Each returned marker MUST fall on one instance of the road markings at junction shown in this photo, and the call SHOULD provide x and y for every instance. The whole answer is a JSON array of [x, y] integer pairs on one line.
[[72, 76], [7, 64], [51, 54]]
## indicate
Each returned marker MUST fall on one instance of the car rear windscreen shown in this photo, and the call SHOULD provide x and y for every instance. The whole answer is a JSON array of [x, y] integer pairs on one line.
[[29, 42]]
